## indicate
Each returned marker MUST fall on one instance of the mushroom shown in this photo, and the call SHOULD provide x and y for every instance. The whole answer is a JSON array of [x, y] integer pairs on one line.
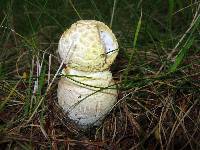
[[86, 91]]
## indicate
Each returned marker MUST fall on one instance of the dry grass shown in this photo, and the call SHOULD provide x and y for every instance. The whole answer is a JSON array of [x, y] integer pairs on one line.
[[159, 98]]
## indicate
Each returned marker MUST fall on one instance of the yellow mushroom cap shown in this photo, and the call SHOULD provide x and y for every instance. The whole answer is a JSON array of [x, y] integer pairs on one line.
[[88, 45]]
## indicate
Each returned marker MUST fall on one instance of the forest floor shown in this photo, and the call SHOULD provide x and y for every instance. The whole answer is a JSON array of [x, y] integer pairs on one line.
[[157, 72]]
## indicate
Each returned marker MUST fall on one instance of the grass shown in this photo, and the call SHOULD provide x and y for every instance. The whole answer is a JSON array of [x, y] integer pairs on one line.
[[157, 69]]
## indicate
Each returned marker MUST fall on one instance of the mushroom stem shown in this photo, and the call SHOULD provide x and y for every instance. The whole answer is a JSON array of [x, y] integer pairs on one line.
[[86, 97]]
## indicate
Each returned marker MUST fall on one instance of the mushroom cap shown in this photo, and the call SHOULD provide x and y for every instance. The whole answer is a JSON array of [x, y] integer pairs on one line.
[[88, 45]]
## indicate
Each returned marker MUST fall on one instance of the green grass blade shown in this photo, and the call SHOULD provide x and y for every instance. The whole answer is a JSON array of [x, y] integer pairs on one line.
[[78, 14], [170, 12], [113, 12], [137, 31], [98, 13], [134, 45], [7, 99], [181, 55]]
